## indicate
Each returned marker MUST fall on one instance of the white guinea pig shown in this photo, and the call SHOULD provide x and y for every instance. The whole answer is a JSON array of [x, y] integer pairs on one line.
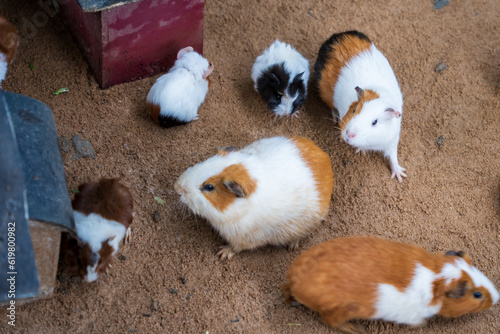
[[355, 78], [280, 75], [8, 45], [372, 278], [176, 96], [103, 212], [274, 191]]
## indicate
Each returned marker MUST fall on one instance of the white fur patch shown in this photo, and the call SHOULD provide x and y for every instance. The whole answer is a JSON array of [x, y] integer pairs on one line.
[[94, 229], [284, 207], [410, 306], [181, 91]]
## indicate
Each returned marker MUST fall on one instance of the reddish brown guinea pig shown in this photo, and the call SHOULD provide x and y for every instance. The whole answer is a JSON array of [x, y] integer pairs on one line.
[[371, 278]]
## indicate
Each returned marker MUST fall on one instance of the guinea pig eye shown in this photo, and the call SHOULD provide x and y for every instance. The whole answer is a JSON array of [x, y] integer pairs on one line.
[[478, 295], [278, 97], [207, 187], [374, 122]]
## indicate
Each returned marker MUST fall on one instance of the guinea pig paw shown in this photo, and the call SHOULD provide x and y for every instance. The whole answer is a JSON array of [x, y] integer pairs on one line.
[[128, 234], [399, 173], [363, 152], [293, 246], [225, 252]]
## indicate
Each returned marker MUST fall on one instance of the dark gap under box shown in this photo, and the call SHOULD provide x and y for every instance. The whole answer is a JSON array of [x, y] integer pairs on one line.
[[129, 40]]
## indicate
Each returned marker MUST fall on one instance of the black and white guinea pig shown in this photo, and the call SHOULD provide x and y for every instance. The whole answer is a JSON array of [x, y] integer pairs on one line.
[[354, 78], [176, 96], [103, 213], [274, 191], [8, 45], [280, 75]]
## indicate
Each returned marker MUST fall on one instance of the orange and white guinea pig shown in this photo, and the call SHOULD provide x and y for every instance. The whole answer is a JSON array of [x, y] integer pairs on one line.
[[371, 278], [103, 213], [354, 78], [8, 45], [176, 96], [275, 191]]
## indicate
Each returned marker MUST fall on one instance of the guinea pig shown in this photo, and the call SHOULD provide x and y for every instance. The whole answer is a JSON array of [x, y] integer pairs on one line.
[[176, 96], [8, 45], [274, 191], [372, 278], [103, 213], [355, 79], [280, 75]]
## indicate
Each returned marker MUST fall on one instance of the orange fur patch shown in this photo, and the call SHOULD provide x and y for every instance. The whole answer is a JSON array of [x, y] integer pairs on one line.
[[108, 198], [9, 39], [321, 167], [339, 278], [356, 107], [154, 111], [221, 197], [341, 54]]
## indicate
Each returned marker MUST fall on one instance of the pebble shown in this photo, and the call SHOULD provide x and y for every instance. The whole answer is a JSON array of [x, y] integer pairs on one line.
[[83, 148], [440, 67]]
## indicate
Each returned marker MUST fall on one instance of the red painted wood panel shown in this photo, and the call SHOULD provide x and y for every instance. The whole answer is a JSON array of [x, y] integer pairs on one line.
[[136, 40]]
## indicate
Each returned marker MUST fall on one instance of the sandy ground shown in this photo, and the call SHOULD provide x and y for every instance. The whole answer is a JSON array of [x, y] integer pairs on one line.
[[168, 279]]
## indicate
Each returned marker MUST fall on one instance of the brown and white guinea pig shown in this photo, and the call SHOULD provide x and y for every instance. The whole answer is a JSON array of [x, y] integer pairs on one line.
[[355, 78], [371, 278], [274, 191], [103, 213], [176, 96], [8, 45], [280, 75]]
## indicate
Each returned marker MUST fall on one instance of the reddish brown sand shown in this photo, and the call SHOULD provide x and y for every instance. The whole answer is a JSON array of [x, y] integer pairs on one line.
[[168, 279]]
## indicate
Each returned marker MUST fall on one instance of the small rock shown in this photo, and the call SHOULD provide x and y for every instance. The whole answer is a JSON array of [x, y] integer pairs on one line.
[[147, 315], [64, 144], [188, 296], [183, 280], [154, 306], [173, 291], [440, 67], [295, 303], [157, 216], [132, 330], [438, 4], [236, 319], [122, 257], [83, 148], [440, 141]]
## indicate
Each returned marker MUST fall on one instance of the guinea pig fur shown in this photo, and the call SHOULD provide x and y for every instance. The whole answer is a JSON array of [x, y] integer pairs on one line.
[[280, 76], [355, 78], [8, 45], [103, 213], [176, 96], [275, 191], [371, 278]]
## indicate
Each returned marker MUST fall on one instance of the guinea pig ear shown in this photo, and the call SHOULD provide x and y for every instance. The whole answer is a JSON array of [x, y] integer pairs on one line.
[[461, 254], [274, 80], [209, 71], [392, 113], [458, 288], [360, 92], [235, 188], [222, 151], [182, 52]]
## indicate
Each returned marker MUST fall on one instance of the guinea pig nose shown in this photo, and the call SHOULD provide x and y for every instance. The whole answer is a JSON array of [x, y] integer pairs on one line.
[[350, 134]]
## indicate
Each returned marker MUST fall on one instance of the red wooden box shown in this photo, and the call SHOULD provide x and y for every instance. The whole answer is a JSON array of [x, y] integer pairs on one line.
[[128, 40]]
